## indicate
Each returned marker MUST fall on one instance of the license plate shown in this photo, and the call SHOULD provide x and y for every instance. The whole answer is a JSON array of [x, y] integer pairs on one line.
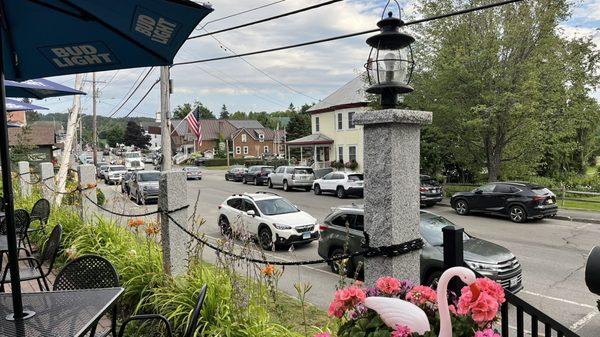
[[550, 201], [306, 235], [513, 282]]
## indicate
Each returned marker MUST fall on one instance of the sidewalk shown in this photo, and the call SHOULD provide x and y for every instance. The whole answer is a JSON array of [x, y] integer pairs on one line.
[[563, 214]]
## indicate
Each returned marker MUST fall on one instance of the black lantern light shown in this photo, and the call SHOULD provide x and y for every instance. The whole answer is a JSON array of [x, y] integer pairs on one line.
[[390, 64]]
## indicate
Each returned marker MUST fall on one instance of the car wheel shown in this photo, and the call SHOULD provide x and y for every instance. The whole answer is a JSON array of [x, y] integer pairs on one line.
[[461, 207], [225, 227], [244, 181], [317, 190], [138, 198], [106, 182], [345, 263], [226, 178], [517, 214], [265, 238], [340, 192], [307, 188], [433, 279], [286, 187], [270, 183]]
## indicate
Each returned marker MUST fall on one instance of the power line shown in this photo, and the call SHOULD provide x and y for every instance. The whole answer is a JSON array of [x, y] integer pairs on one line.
[[464, 11], [129, 90], [132, 93], [240, 13], [142, 99], [267, 19]]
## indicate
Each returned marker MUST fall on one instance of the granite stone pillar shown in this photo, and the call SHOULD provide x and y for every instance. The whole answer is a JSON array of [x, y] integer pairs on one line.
[[24, 178], [391, 196], [47, 181], [172, 196], [87, 183]]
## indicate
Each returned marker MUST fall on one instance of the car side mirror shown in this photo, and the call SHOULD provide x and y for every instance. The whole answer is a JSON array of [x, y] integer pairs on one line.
[[478, 191], [251, 213]]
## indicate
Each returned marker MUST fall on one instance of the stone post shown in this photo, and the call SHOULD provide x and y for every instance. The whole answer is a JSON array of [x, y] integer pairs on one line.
[[47, 182], [173, 195], [87, 182], [24, 178], [391, 167]]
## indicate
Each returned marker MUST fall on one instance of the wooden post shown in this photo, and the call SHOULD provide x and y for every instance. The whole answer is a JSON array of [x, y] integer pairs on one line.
[[564, 194]]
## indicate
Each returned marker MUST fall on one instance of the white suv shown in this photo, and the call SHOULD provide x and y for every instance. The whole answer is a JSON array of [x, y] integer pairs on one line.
[[340, 183], [271, 219]]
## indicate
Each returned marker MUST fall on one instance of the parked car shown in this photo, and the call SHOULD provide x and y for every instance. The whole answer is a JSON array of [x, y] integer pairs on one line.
[[487, 258], [148, 159], [144, 186], [133, 161], [269, 218], [114, 174], [199, 161], [517, 200], [257, 175], [235, 173], [106, 152], [341, 184], [430, 190], [101, 170], [290, 177], [192, 172], [125, 181]]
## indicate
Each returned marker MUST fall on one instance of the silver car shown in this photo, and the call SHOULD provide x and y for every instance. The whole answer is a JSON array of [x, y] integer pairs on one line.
[[192, 172], [144, 186], [114, 174], [290, 177]]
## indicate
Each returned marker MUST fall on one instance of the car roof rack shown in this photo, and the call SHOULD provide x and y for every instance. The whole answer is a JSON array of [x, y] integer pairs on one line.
[[266, 192]]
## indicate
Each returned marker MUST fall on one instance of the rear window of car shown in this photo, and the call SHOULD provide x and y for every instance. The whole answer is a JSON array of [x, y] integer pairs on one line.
[[429, 181], [235, 203], [431, 229], [267, 169], [541, 190], [303, 171], [117, 168], [355, 177]]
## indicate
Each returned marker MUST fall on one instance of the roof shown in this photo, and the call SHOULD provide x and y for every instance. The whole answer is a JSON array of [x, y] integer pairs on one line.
[[314, 139], [254, 133], [245, 124], [57, 126], [39, 135], [352, 94], [213, 128]]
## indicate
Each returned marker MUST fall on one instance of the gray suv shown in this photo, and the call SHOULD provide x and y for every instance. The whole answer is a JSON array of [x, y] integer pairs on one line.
[[292, 177], [487, 258], [143, 186]]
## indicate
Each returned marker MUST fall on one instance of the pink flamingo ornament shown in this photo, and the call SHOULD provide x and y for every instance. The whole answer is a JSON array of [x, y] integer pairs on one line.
[[395, 311]]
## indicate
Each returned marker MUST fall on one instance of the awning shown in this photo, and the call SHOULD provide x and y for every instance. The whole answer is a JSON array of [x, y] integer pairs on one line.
[[314, 139]]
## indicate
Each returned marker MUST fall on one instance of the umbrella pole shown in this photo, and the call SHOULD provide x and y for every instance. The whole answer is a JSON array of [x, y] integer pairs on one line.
[[11, 235]]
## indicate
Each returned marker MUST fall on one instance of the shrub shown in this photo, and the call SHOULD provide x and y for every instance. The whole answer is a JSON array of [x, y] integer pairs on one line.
[[352, 165]]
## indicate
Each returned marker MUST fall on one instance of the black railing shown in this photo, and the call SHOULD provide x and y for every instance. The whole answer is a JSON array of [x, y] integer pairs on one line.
[[453, 256]]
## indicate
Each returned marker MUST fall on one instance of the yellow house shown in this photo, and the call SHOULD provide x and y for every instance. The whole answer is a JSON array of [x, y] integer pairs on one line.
[[334, 136]]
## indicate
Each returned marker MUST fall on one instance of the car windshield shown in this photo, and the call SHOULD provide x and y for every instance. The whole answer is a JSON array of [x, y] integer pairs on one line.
[[429, 181], [431, 229], [355, 177], [117, 168], [191, 169], [276, 206], [267, 169], [133, 155], [149, 176], [303, 171]]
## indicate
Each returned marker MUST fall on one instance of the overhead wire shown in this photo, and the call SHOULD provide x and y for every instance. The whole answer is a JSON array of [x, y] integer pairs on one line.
[[240, 13], [132, 93]]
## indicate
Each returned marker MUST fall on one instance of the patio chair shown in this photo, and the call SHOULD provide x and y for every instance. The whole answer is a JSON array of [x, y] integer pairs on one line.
[[191, 327], [22, 221], [35, 269], [39, 212], [1, 204], [89, 272]]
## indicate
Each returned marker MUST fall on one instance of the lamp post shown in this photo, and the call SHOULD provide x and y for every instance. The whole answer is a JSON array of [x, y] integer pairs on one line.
[[390, 64]]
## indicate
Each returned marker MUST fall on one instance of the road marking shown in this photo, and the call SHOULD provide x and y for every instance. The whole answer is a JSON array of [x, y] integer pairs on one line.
[[558, 299], [585, 320]]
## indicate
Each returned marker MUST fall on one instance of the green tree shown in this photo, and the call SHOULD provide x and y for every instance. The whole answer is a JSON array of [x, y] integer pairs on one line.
[[239, 115], [181, 111], [224, 112], [134, 136], [115, 135], [299, 126]]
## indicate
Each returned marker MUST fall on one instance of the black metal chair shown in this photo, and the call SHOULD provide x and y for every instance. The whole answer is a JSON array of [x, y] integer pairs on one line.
[[39, 212], [192, 324], [35, 269], [22, 221], [89, 272], [1, 204]]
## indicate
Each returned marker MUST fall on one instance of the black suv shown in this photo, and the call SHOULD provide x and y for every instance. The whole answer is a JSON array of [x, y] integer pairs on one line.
[[517, 200], [430, 190], [344, 226], [257, 175]]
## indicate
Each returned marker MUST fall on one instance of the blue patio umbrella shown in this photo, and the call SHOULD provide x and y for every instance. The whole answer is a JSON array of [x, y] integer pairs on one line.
[[38, 88], [41, 38], [15, 105]]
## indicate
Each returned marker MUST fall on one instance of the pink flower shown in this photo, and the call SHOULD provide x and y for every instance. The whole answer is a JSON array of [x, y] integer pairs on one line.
[[336, 309], [492, 288], [484, 309], [421, 295], [388, 285], [487, 333], [404, 331], [452, 309], [326, 334], [346, 299], [481, 303]]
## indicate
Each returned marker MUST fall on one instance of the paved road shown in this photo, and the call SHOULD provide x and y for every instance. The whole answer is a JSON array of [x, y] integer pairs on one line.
[[552, 252]]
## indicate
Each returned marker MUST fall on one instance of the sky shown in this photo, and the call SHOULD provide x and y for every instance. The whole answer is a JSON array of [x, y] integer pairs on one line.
[[268, 82]]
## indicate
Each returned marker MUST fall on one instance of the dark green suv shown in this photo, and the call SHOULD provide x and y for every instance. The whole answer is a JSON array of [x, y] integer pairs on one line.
[[487, 258]]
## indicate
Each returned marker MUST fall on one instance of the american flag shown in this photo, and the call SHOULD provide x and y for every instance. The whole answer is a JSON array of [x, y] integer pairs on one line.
[[193, 120]]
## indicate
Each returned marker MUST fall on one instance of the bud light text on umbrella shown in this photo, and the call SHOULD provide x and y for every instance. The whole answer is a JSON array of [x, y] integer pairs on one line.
[[156, 27], [80, 55]]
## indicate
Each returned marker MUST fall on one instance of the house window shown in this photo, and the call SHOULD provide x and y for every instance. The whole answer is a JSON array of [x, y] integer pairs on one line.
[[317, 125], [266, 149], [238, 150], [245, 150], [340, 121], [244, 138], [352, 153], [340, 153], [261, 137], [350, 120]]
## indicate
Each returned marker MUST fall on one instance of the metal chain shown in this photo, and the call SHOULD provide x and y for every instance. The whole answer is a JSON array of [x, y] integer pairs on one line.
[[133, 215]]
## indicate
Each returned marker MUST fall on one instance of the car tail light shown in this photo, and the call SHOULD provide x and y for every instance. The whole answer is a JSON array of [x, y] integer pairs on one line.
[[423, 189], [259, 174], [323, 228], [539, 197]]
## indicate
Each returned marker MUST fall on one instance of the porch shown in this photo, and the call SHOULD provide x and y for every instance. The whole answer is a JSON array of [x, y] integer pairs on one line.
[[313, 150]]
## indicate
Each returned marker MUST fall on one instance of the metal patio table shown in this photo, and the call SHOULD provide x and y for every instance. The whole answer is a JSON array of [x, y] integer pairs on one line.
[[57, 313]]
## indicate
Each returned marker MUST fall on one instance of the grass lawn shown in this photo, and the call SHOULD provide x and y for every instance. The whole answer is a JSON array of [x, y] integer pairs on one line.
[[215, 168], [580, 205], [288, 312]]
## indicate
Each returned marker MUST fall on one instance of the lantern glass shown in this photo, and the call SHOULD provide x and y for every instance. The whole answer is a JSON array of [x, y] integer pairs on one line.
[[391, 67]]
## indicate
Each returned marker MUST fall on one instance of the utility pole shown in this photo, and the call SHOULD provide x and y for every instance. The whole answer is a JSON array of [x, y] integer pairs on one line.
[[165, 123], [94, 125]]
